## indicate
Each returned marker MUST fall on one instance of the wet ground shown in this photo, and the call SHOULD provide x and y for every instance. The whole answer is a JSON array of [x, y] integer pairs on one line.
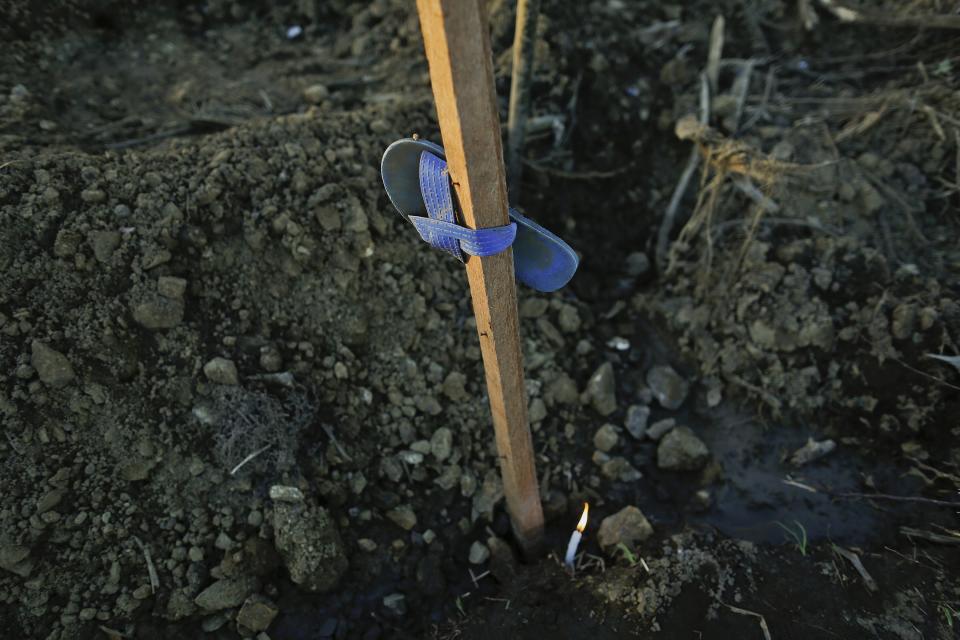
[[198, 260]]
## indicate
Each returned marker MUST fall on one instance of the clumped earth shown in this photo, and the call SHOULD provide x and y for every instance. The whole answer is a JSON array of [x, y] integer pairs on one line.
[[240, 398]]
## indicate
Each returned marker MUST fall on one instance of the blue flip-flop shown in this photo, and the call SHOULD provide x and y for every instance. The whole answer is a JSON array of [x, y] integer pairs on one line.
[[414, 175]]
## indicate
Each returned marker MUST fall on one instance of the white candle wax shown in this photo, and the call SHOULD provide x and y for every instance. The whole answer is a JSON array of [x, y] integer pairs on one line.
[[572, 548]]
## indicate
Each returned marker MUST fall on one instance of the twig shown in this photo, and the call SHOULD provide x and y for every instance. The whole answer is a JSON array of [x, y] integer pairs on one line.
[[574, 175], [714, 54], [524, 46], [151, 570], [250, 457], [853, 495], [930, 536], [752, 614], [845, 14], [670, 216], [745, 185], [855, 561], [329, 431], [742, 89]]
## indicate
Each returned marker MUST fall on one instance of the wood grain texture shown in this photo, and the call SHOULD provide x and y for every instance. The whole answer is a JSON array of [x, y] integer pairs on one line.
[[457, 43]]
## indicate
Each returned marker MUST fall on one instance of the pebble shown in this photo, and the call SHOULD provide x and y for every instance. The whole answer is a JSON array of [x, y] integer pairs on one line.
[[221, 371], [479, 553], [538, 410], [284, 493], [454, 386], [628, 526], [441, 443], [367, 545], [52, 366], [66, 243], [667, 386], [225, 594], [403, 516], [636, 421], [661, 427], [903, 321], [257, 613], [811, 451], [310, 545], [171, 287], [606, 438], [601, 390], [562, 390], [396, 603], [104, 243], [159, 313], [682, 450], [568, 319], [15, 558], [316, 93], [533, 307], [637, 264], [618, 468], [93, 196]]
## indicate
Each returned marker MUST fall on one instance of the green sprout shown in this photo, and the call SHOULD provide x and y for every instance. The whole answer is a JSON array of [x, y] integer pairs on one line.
[[628, 554], [798, 536], [943, 68], [949, 614]]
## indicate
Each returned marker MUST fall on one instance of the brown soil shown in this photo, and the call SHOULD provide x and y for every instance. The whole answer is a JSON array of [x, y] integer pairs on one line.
[[191, 182]]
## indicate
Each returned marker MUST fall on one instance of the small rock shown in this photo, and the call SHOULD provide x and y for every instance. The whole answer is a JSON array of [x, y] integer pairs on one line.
[[618, 468], [93, 196], [257, 613], [171, 287], [904, 321], [225, 594], [601, 390], [15, 558], [221, 371], [454, 386], [284, 493], [682, 450], [668, 387], [66, 243], [310, 545], [811, 451], [503, 563], [533, 307], [315, 94], [159, 313], [538, 410], [413, 458], [568, 319], [562, 390], [660, 427], [104, 243], [606, 438], [403, 516], [479, 553], [628, 526], [441, 443], [52, 366], [396, 603], [367, 545], [49, 500], [637, 264], [636, 421]]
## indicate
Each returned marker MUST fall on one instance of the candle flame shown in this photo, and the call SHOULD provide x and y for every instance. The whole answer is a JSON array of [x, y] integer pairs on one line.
[[583, 518]]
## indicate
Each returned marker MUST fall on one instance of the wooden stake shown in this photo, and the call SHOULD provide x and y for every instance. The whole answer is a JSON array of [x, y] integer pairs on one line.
[[457, 43]]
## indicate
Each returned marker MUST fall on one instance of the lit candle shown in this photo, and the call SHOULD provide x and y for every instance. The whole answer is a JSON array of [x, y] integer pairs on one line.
[[575, 537]]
